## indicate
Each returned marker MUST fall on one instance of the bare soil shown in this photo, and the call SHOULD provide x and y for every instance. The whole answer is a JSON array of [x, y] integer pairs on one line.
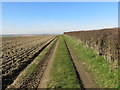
[[34, 80], [18, 53], [46, 75]]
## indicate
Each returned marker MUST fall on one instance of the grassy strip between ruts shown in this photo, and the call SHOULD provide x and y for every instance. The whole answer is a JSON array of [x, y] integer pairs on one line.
[[30, 68], [99, 67], [62, 74]]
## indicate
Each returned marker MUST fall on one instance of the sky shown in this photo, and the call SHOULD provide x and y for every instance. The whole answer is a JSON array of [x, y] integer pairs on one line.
[[60, 0], [57, 17]]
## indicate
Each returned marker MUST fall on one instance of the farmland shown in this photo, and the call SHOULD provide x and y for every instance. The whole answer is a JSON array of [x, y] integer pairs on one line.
[[72, 60], [18, 52]]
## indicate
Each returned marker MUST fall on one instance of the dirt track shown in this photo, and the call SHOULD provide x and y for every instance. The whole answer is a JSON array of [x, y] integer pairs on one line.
[[45, 77], [39, 78], [86, 78]]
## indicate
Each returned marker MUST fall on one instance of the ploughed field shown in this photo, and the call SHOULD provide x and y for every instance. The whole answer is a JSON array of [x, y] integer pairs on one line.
[[18, 52]]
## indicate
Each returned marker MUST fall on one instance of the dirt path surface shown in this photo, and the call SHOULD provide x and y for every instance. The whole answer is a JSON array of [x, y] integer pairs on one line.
[[85, 77], [46, 75]]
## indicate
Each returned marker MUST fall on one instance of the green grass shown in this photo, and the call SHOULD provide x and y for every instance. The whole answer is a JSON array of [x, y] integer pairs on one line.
[[62, 74], [99, 67]]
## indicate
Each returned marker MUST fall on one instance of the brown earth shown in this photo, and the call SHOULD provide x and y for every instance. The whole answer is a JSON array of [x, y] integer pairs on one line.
[[46, 75], [18, 53], [34, 80]]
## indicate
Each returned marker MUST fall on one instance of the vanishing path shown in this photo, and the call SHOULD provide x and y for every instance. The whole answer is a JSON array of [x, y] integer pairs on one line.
[[46, 75], [40, 78], [86, 78]]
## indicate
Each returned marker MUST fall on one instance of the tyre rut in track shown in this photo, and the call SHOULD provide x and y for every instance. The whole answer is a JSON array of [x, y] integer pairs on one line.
[[34, 79], [77, 74], [86, 78], [46, 76]]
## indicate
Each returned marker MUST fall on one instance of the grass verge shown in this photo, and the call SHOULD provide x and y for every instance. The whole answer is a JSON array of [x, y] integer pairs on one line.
[[62, 74], [99, 67]]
